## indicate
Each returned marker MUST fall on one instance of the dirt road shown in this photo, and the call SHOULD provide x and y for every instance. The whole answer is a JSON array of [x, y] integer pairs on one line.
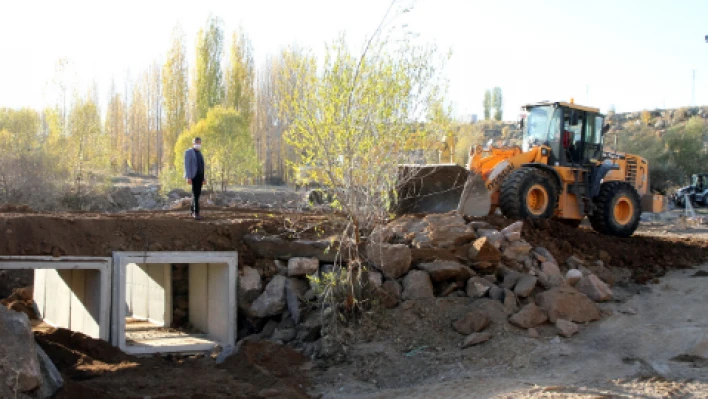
[[654, 344]]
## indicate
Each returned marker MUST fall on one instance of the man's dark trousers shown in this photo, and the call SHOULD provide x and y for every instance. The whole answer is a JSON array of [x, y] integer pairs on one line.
[[197, 183]]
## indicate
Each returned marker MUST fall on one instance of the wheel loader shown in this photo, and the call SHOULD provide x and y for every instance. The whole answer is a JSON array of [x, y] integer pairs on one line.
[[560, 171]]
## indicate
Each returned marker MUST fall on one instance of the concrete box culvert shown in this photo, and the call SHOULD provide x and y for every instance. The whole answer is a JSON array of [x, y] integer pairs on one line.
[[70, 292], [142, 307]]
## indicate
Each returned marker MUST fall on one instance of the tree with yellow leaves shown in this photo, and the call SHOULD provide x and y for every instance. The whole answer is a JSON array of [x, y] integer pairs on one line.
[[228, 148]]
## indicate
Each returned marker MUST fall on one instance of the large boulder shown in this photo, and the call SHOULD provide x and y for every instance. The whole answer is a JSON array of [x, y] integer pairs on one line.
[[394, 260], [529, 316], [567, 303], [272, 301], [417, 285], [473, 321], [483, 250], [594, 288], [20, 370], [441, 270], [302, 266], [446, 230], [280, 248], [249, 284]]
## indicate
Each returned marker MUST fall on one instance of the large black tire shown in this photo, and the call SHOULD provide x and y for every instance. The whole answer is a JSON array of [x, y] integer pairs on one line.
[[617, 209], [528, 193]]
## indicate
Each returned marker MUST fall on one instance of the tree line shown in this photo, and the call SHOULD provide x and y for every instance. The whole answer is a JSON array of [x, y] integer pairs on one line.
[[143, 126]]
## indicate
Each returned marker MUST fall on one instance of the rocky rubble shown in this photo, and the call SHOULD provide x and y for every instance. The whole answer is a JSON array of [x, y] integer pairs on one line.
[[415, 259]]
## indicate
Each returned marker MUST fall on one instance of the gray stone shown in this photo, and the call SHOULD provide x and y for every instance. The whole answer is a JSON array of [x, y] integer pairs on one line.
[[550, 275], [375, 279], [524, 287], [511, 277], [511, 304], [249, 284], [20, 371], [272, 301], [442, 270], [446, 230], [476, 339], [568, 303], [394, 260], [417, 285], [594, 288], [496, 293], [573, 276], [517, 250], [478, 287], [285, 335], [566, 328], [302, 266], [280, 248], [513, 236], [295, 290], [51, 378], [533, 333], [473, 321], [515, 227], [529, 316]]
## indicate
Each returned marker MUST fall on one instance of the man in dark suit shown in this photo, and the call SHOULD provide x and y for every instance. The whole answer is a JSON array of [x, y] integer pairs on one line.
[[194, 173]]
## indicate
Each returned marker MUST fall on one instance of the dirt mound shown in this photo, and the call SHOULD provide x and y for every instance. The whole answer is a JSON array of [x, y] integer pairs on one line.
[[93, 368], [266, 363], [91, 234], [90, 349], [647, 256]]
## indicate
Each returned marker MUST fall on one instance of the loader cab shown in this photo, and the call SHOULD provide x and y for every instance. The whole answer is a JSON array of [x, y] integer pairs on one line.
[[574, 133]]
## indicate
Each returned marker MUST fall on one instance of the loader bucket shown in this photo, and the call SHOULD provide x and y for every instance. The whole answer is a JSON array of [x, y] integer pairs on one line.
[[440, 189]]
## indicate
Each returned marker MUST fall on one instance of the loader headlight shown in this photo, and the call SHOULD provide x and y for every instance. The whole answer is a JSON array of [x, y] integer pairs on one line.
[[544, 152]]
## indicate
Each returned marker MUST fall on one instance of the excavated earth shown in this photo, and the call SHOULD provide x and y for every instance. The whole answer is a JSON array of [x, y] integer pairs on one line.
[[95, 369]]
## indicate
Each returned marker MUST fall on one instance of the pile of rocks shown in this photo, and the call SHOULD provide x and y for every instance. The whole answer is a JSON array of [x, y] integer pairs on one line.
[[415, 258], [483, 262]]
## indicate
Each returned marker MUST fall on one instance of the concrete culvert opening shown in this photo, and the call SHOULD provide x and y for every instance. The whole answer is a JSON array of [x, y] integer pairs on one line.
[[68, 292], [174, 301]]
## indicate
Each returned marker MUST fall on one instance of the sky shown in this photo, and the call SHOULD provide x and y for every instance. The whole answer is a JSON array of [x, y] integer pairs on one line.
[[631, 54]]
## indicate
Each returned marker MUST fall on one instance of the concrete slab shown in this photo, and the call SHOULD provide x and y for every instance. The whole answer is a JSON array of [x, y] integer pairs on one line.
[[70, 292], [143, 290]]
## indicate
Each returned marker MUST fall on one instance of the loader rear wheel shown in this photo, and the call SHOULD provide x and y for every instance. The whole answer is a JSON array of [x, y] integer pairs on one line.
[[528, 193], [617, 210]]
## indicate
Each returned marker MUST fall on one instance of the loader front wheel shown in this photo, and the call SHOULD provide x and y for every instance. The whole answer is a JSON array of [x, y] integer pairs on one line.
[[528, 193], [617, 210]]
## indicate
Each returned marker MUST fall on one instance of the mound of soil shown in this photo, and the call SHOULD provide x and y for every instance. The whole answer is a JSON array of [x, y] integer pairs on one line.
[[647, 256], [94, 369]]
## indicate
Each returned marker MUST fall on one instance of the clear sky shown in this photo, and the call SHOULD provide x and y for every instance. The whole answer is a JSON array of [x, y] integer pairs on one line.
[[635, 54]]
